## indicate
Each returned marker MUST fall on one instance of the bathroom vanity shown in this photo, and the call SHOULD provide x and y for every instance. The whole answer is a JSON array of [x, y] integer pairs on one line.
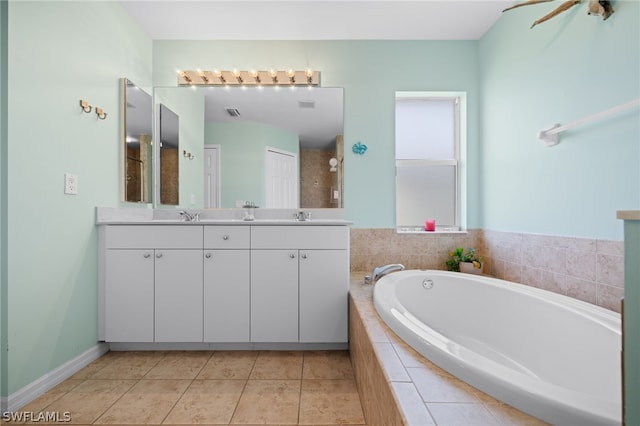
[[224, 281]]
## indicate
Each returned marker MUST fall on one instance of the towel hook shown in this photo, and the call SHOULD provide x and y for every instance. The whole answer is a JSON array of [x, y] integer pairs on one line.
[[100, 113], [85, 106]]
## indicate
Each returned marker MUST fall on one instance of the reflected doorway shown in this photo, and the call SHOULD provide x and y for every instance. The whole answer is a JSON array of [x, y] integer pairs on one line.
[[212, 176], [281, 179]]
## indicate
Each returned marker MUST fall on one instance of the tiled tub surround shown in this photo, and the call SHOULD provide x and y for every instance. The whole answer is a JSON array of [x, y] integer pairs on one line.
[[398, 386], [587, 269]]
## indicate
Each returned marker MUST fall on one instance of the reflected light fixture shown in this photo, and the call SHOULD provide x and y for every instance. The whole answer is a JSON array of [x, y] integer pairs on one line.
[[248, 78], [333, 162]]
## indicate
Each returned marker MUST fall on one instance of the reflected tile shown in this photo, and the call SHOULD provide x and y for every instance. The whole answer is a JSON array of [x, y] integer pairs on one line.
[[229, 365], [268, 402], [179, 365], [330, 402], [129, 365], [147, 402], [87, 401], [277, 365], [327, 365], [207, 402], [461, 414]]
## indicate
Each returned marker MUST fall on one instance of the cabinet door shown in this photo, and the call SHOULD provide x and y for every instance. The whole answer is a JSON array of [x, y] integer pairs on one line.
[[274, 295], [178, 295], [226, 295], [324, 287], [129, 296]]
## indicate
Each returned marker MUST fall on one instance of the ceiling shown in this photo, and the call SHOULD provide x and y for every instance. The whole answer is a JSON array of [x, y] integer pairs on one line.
[[315, 19]]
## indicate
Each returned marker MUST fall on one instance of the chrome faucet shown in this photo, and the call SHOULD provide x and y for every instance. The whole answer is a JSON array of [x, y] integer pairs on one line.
[[190, 217], [381, 271], [302, 216]]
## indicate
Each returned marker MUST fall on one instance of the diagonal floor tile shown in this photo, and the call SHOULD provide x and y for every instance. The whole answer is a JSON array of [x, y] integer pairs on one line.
[[229, 365], [129, 365], [148, 402], [87, 401], [207, 402], [179, 365], [330, 402], [277, 365], [268, 402], [327, 365]]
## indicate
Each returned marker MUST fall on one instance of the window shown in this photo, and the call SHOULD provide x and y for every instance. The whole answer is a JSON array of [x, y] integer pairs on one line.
[[429, 171]]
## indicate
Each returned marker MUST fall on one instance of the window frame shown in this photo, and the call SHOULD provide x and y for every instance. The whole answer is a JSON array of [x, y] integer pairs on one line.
[[459, 162]]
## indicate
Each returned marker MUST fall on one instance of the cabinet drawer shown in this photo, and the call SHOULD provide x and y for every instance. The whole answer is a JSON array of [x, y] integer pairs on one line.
[[153, 236], [300, 237], [226, 237]]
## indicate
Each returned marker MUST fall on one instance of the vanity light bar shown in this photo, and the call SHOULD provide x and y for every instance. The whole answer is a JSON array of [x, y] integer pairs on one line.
[[248, 78]]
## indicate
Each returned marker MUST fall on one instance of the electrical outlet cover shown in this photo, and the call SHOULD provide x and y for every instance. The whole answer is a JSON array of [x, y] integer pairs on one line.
[[70, 184]]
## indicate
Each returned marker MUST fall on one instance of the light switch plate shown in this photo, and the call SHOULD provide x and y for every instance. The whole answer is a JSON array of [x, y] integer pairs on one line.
[[70, 184]]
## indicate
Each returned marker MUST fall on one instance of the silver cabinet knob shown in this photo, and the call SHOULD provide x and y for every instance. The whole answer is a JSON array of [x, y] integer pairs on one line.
[[208, 255], [225, 237], [158, 255], [147, 255], [304, 256], [292, 256]]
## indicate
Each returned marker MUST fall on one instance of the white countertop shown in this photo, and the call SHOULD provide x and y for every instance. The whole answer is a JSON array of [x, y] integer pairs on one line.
[[148, 216]]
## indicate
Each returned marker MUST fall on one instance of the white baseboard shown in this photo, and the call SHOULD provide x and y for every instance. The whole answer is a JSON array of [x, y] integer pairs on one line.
[[46, 382]]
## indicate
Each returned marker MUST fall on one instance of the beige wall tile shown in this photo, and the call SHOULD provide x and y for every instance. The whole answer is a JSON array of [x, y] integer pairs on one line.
[[610, 269]]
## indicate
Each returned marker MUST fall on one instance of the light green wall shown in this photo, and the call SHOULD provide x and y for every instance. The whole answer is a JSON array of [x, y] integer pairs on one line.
[[370, 72], [189, 106], [3, 199], [59, 53], [560, 71], [242, 152]]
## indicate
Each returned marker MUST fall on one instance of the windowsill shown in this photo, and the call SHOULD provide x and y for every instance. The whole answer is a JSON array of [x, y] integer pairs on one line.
[[418, 230]]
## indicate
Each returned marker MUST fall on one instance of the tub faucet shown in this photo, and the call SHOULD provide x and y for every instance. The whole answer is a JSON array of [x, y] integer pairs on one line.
[[381, 271]]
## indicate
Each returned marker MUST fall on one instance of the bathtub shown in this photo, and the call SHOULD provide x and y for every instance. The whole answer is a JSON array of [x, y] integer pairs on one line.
[[549, 355]]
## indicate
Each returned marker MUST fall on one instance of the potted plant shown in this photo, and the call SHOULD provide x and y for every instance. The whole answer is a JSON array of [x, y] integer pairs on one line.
[[462, 260]]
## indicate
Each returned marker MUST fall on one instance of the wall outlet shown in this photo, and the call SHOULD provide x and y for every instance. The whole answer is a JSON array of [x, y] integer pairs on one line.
[[70, 184]]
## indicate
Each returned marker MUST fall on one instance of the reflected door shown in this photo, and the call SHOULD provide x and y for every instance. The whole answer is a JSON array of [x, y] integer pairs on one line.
[[281, 179], [211, 176]]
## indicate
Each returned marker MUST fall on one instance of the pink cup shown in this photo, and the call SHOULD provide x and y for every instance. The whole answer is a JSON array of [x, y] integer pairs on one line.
[[430, 225]]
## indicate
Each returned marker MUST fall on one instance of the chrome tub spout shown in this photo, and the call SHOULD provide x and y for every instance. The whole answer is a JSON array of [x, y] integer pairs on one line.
[[381, 271]]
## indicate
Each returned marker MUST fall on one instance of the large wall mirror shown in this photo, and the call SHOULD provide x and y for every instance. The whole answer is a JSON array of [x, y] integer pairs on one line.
[[137, 118], [244, 126]]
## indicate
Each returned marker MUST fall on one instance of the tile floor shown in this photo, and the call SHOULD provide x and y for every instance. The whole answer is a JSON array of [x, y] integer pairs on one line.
[[209, 387]]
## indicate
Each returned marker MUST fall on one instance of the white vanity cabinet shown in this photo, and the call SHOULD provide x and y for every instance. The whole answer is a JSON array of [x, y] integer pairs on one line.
[[153, 284], [128, 298], [299, 284], [252, 284], [226, 283]]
